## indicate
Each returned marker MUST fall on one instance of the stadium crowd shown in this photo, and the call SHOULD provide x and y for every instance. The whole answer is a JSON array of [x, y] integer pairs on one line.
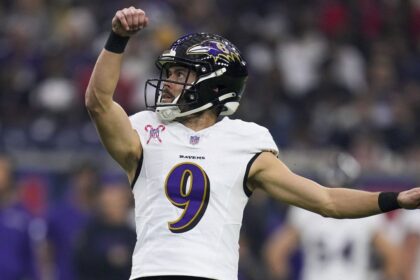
[[323, 74]]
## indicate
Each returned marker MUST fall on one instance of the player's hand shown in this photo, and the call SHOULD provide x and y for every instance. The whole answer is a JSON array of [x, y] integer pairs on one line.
[[409, 199], [129, 21]]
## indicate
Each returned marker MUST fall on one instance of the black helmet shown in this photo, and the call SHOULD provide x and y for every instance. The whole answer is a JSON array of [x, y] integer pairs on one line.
[[220, 70]]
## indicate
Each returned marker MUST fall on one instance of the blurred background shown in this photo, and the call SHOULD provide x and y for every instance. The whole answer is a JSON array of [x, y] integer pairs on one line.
[[327, 77]]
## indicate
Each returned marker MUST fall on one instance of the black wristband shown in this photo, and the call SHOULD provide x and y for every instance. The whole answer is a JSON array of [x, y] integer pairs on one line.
[[388, 201], [116, 43]]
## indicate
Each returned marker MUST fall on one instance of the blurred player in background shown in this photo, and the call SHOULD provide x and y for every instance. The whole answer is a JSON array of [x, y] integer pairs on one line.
[[331, 248], [67, 218], [191, 171], [105, 247], [411, 246], [17, 247]]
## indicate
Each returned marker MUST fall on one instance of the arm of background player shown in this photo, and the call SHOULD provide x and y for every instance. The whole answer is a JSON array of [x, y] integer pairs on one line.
[[273, 176], [278, 250], [111, 121], [390, 254], [410, 251]]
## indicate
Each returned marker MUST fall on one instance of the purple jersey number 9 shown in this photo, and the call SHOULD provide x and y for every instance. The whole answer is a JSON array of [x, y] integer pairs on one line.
[[187, 186]]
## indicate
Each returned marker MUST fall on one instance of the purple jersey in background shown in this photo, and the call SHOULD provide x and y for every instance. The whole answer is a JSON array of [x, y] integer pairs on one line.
[[65, 223], [17, 257]]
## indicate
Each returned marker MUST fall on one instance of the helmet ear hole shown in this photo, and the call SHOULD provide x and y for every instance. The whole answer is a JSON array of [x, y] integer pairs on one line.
[[191, 97], [219, 89]]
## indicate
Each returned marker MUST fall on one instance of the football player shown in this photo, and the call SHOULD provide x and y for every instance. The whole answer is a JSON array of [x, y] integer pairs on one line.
[[191, 171], [332, 248]]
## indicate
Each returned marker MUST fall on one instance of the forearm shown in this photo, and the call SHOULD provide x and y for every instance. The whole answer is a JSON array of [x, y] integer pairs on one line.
[[350, 203], [103, 81]]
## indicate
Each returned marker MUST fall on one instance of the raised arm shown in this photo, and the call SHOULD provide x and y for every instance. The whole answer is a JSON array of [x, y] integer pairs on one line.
[[270, 174], [111, 121]]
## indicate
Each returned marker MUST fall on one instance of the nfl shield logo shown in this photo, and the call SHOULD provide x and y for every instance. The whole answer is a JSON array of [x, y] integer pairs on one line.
[[194, 139]]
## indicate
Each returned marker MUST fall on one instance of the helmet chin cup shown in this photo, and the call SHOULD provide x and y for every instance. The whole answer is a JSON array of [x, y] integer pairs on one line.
[[168, 113], [229, 108]]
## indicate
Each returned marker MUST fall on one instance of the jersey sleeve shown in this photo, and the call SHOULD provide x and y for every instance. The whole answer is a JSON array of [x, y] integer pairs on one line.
[[266, 142]]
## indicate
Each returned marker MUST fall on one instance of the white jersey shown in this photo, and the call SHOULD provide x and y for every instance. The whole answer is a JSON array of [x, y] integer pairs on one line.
[[411, 221], [190, 195], [334, 249]]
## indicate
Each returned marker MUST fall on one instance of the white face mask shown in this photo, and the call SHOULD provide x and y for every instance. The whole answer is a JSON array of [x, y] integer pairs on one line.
[[165, 110], [169, 113]]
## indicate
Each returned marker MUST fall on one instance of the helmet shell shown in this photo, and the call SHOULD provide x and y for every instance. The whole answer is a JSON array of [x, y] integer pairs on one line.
[[220, 69]]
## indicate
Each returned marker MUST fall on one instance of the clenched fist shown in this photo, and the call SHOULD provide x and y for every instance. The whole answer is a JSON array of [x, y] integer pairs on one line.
[[409, 199], [129, 21]]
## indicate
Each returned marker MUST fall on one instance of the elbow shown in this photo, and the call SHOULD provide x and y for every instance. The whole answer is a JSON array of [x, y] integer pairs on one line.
[[329, 210], [89, 102], [328, 206], [92, 102], [329, 214]]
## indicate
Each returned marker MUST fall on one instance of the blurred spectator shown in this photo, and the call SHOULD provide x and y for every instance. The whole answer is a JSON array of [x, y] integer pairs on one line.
[[303, 56], [68, 217], [300, 55], [17, 248], [105, 247], [250, 265]]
